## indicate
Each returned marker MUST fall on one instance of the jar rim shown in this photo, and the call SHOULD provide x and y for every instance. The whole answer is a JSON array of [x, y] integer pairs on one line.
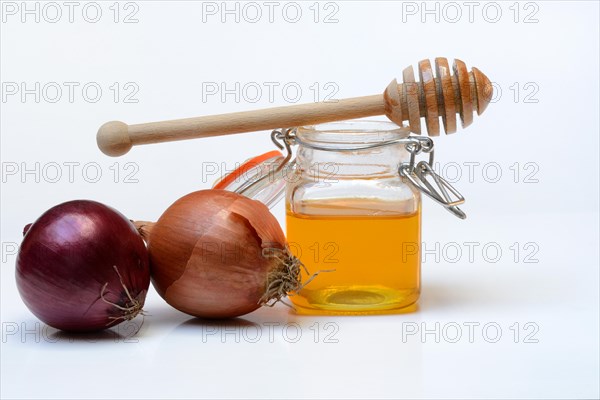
[[351, 132]]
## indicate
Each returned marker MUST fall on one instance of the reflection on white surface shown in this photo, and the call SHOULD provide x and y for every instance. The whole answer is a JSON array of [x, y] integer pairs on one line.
[[481, 330]]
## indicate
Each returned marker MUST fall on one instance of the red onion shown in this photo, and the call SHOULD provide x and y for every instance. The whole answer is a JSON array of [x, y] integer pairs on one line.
[[218, 254], [83, 266]]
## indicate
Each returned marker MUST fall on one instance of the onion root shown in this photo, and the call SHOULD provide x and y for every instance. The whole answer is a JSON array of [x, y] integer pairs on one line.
[[129, 310]]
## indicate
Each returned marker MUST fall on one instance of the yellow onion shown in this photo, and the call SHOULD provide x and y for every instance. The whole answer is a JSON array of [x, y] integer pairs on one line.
[[218, 254]]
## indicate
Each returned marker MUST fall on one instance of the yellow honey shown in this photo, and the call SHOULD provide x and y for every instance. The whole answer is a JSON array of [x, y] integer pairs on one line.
[[369, 248]]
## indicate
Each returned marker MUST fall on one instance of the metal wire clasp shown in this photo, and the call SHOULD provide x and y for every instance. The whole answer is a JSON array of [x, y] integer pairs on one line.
[[286, 136], [437, 188]]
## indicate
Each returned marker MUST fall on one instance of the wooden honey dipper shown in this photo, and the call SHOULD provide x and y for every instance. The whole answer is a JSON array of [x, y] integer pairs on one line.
[[442, 95]]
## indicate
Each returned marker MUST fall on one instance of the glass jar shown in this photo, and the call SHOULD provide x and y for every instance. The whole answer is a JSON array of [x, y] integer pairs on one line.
[[353, 211], [352, 219]]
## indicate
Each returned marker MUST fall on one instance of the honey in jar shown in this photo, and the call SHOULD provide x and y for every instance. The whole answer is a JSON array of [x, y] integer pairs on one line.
[[353, 220]]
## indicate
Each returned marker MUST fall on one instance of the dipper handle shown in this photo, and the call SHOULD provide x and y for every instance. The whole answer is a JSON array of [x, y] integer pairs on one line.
[[432, 97]]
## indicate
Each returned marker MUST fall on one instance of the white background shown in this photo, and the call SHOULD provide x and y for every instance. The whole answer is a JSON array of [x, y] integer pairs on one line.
[[544, 62]]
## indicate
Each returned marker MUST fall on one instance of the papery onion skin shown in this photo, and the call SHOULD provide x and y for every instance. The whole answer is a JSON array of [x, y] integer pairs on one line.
[[67, 257], [206, 254]]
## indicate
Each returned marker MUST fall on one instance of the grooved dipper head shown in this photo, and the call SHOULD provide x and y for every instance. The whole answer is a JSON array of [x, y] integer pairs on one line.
[[445, 93]]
